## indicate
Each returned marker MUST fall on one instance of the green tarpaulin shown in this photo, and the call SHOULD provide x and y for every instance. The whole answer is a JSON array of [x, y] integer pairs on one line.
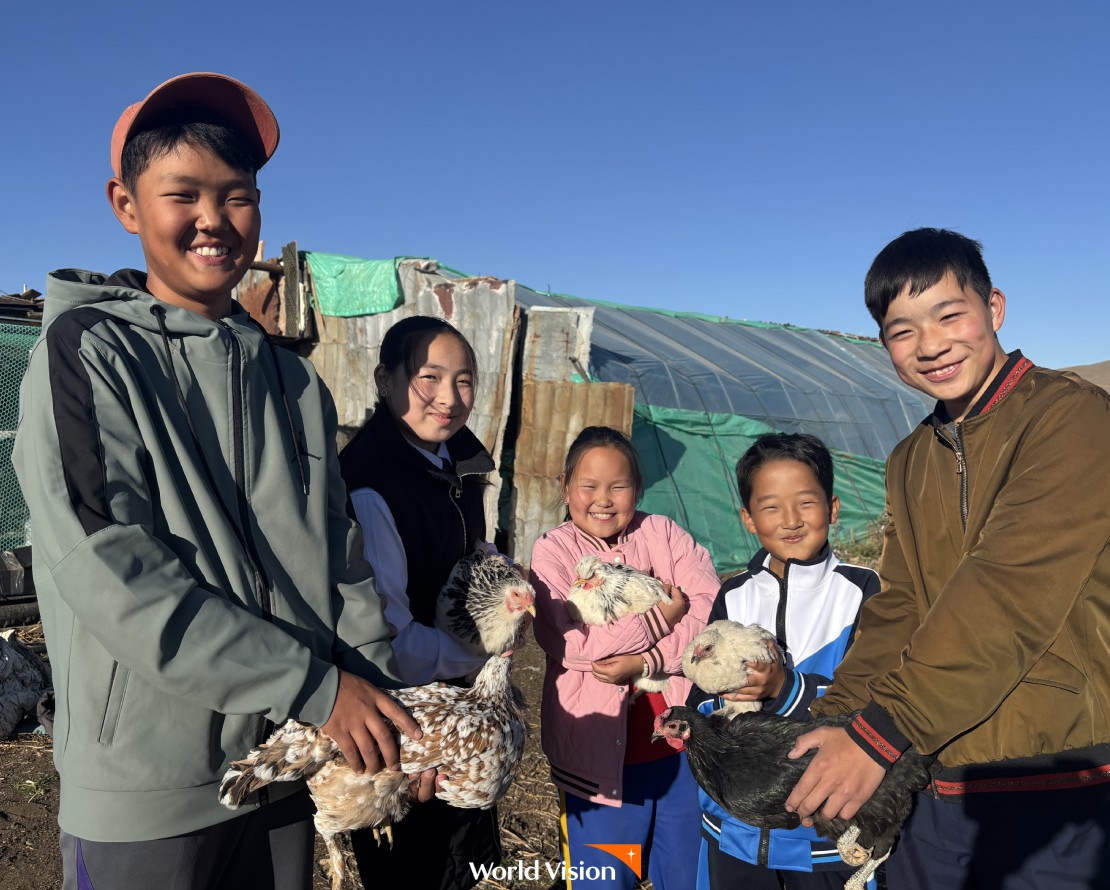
[[347, 286], [689, 460]]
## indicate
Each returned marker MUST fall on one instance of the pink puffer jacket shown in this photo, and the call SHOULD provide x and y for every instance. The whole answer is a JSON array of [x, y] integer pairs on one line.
[[584, 721]]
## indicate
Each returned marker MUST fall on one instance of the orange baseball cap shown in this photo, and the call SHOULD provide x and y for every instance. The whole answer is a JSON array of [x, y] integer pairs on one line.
[[225, 97]]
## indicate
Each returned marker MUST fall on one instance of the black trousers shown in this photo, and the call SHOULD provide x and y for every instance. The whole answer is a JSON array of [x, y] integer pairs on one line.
[[269, 848], [433, 847], [1024, 840]]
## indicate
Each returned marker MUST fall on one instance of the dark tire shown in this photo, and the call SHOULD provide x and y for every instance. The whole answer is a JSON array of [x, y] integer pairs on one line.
[[17, 611]]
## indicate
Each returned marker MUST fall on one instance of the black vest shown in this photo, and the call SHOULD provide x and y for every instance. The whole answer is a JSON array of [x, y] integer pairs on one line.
[[438, 513]]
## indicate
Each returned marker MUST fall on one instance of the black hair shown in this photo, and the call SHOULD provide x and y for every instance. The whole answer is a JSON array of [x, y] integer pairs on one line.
[[401, 342], [921, 258], [189, 129], [802, 447], [598, 437]]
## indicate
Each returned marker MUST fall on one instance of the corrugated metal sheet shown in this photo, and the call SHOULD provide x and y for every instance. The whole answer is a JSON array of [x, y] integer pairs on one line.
[[273, 292], [552, 414], [557, 343]]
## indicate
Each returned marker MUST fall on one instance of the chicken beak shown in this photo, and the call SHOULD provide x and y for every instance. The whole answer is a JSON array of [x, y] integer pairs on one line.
[[531, 610], [656, 736]]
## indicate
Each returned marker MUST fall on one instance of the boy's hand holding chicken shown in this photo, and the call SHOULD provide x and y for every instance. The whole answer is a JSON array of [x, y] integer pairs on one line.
[[765, 679]]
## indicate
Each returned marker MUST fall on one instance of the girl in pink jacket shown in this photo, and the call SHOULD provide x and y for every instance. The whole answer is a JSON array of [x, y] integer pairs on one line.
[[615, 786]]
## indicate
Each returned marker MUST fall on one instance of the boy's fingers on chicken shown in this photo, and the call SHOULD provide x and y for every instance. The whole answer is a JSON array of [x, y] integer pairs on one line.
[[356, 724], [839, 779]]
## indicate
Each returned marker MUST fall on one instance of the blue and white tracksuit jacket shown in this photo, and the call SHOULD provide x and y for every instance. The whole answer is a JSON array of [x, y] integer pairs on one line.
[[812, 611]]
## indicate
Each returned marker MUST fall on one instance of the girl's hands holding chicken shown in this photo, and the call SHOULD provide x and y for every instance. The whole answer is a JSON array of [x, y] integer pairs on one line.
[[673, 611], [618, 669]]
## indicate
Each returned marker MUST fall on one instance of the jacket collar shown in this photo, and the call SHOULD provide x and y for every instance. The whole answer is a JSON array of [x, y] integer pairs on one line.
[[799, 573], [1001, 386], [124, 296], [600, 546]]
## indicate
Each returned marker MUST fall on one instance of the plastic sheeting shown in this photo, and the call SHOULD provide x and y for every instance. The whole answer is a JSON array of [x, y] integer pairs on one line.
[[839, 388], [346, 286]]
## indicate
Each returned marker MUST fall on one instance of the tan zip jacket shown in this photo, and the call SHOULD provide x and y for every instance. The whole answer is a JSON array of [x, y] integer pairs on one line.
[[990, 638]]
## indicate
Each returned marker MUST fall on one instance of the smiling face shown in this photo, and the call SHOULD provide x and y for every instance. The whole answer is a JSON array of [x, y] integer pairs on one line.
[[198, 221], [435, 403], [944, 342], [789, 512], [601, 493]]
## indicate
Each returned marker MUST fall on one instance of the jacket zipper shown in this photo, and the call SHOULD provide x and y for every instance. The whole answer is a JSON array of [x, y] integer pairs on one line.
[[961, 471], [764, 847], [262, 584], [780, 611], [261, 581], [455, 495], [957, 446]]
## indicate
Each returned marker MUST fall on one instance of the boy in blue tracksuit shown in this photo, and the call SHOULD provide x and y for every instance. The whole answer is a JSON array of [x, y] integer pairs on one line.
[[796, 587]]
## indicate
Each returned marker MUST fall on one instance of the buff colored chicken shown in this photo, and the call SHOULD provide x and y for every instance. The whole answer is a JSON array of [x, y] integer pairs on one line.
[[717, 660], [474, 736], [483, 601], [604, 592]]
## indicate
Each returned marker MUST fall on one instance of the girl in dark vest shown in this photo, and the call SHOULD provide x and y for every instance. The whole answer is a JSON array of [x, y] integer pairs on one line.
[[415, 475]]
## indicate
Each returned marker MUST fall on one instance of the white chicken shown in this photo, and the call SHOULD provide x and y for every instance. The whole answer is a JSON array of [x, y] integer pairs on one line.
[[604, 592], [717, 660]]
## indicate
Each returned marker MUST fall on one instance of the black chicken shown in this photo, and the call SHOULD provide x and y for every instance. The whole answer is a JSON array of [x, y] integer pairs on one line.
[[742, 764]]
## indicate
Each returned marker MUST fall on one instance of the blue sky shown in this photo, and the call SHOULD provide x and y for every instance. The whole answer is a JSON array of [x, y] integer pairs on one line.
[[733, 158]]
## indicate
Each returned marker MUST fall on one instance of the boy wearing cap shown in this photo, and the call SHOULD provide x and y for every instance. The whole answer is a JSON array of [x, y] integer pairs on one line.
[[198, 575]]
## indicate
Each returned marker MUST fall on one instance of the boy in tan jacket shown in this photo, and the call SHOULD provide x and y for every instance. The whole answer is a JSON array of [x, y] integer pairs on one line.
[[988, 645]]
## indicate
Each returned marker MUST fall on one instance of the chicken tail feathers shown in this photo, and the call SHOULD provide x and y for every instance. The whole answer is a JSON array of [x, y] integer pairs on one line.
[[237, 785], [295, 751]]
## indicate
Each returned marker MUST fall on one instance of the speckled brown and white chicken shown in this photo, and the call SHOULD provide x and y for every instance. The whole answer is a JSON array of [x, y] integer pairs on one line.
[[717, 660], [474, 737], [604, 592], [483, 601]]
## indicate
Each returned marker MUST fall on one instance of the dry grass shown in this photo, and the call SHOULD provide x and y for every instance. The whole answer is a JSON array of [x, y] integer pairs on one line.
[[864, 549]]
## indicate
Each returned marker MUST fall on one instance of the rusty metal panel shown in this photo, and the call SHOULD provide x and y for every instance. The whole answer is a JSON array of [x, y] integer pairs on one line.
[[483, 309], [552, 414], [557, 343], [260, 294], [273, 292]]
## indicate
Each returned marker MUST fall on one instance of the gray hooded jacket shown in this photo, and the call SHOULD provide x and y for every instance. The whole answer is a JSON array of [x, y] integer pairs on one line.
[[196, 568]]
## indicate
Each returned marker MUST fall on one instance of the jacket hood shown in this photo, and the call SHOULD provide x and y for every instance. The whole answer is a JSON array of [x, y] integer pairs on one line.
[[124, 296]]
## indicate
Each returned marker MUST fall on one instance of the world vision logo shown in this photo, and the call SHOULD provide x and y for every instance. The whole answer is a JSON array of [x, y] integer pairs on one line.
[[629, 854]]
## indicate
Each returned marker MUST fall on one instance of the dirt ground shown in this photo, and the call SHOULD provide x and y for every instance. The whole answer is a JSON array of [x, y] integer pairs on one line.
[[29, 800]]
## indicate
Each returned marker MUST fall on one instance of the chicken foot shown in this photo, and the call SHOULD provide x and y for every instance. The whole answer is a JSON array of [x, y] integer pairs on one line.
[[851, 852]]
